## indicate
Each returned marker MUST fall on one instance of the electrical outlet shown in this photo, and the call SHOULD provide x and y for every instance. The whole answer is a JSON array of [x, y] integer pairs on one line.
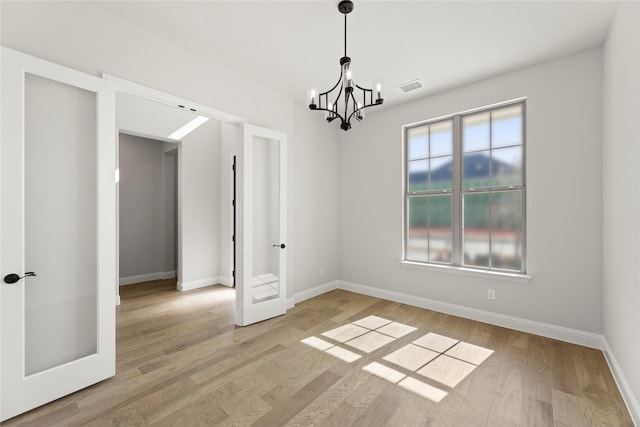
[[491, 294]]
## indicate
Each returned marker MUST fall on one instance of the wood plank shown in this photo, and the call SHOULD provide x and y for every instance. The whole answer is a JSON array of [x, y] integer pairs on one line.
[[286, 410]]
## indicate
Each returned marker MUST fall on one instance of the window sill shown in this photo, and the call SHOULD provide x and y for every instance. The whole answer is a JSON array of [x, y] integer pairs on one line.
[[510, 277]]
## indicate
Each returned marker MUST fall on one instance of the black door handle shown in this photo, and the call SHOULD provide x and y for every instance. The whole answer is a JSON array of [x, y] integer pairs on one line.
[[282, 246], [13, 278]]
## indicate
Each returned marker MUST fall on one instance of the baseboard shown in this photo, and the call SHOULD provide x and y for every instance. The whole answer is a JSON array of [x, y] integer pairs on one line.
[[225, 280], [315, 291], [623, 385], [130, 280], [168, 274], [117, 299], [200, 283], [310, 293], [573, 336]]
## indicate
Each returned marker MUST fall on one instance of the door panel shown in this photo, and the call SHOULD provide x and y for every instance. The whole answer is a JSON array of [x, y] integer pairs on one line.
[[60, 172], [262, 292], [58, 220]]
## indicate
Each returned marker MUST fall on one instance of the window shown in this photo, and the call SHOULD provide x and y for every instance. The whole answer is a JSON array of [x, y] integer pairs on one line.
[[464, 190]]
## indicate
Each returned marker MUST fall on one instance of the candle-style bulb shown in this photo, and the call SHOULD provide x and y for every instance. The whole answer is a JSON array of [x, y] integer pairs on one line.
[[377, 87], [312, 96], [359, 113]]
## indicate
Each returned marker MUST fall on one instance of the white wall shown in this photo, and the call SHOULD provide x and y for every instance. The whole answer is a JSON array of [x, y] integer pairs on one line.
[[564, 197], [141, 206], [198, 176], [83, 37], [621, 164], [316, 204]]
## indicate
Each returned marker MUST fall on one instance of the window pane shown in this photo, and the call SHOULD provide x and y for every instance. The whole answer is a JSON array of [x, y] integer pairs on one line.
[[475, 132], [476, 234], [440, 234], [476, 170], [417, 143], [506, 230], [441, 139], [441, 172], [418, 175], [506, 166], [506, 126], [417, 236]]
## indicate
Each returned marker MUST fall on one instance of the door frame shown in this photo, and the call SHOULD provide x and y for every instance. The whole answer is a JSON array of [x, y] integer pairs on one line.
[[242, 316], [175, 153], [126, 86]]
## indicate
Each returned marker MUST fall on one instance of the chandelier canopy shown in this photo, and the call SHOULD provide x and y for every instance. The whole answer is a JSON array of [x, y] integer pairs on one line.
[[345, 100]]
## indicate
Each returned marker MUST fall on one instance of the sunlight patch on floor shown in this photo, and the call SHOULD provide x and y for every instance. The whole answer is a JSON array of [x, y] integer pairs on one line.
[[438, 358]]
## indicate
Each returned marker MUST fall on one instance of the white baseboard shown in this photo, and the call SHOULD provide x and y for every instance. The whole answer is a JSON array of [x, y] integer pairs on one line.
[[117, 299], [623, 385], [573, 336], [168, 274], [315, 291], [160, 275], [310, 293], [225, 280], [130, 280], [200, 283]]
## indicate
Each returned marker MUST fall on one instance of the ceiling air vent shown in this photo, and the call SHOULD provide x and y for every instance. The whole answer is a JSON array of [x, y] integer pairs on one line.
[[410, 86]]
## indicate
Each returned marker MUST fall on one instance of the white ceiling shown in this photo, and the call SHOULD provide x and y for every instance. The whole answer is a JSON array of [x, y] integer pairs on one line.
[[291, 46]]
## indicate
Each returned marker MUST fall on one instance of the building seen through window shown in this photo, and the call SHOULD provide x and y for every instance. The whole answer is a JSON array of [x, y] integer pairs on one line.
[[465, 190]]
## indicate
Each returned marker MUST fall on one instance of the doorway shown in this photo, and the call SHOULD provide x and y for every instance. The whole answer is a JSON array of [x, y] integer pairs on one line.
[[197, 248], [147, 217], [261, 154]]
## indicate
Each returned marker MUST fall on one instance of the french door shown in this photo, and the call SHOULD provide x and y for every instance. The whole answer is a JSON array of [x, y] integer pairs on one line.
[[262, 290], [57, 219]]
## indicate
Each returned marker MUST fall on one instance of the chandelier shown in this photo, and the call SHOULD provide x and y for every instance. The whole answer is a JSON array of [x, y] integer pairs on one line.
[[346, 99]]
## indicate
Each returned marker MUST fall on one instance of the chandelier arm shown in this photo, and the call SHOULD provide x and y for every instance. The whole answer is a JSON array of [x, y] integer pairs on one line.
[[334, 112], [364, 95], [363, 88], [334, 86], [335, 102], [370, 92]]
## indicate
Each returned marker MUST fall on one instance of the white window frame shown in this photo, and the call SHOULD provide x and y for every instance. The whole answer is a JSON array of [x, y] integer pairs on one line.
[[458, 192]]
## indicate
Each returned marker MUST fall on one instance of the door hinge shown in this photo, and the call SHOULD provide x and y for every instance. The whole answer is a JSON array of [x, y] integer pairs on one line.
[[233, 273], [233, 238]]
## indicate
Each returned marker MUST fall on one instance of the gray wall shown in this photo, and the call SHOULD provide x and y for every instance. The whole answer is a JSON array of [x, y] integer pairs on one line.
[[622, 194], [564, 197], [141, 206]]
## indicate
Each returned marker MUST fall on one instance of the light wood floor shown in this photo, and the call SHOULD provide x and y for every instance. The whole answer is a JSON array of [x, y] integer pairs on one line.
[[181, 361]]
